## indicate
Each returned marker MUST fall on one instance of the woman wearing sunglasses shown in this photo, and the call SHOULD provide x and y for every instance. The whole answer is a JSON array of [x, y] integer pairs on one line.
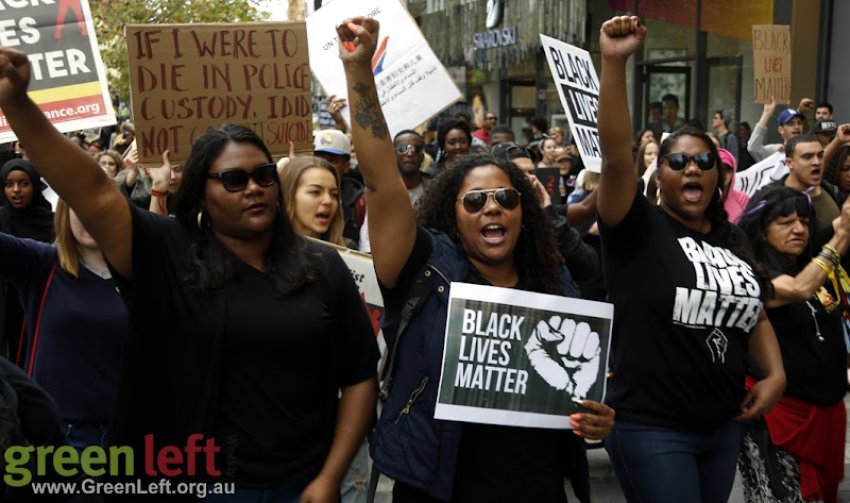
[[240, 331], [687, 311], [479, 222], [796, 451]]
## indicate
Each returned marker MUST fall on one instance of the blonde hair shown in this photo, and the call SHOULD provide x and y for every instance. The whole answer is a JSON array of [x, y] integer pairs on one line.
[[290, 175], [66, 244]]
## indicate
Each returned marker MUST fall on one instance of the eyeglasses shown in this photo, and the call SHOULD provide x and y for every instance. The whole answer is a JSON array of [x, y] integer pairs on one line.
[[236, 179], [678, 161], [403, 149], [475, 200]]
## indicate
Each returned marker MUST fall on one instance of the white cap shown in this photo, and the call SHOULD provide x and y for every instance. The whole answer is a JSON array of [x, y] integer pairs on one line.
[[332, 141]]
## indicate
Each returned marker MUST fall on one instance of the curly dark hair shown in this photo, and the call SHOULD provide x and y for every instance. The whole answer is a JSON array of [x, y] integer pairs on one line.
[[536, 254], [716, 213], [833, 171], [211, 265], [767, 205]]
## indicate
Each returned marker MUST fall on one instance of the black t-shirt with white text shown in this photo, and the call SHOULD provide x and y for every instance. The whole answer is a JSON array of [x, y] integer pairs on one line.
[[684, 305]]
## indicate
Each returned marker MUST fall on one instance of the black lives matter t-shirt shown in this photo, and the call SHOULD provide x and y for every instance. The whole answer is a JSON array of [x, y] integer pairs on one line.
[[684, 305]]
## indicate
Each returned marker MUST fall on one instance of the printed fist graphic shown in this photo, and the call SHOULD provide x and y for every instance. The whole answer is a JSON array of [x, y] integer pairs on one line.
[[565, 354]]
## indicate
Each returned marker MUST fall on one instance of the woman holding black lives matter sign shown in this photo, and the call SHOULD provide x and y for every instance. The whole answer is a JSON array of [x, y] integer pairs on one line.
[[686, 307], [241, 331], [486, 227]]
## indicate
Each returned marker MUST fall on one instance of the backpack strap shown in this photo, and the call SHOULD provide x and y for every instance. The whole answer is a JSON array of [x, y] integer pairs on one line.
[[416, 297], [38, 319]]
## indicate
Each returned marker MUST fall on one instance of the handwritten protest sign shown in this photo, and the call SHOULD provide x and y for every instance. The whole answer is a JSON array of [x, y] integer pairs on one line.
[[363, 271], [578, 87], [518, 358], [772, 63], [188, 78], [413, 85], [68, 78]]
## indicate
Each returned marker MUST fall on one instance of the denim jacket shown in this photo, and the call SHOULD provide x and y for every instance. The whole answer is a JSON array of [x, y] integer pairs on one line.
[[408, 444]]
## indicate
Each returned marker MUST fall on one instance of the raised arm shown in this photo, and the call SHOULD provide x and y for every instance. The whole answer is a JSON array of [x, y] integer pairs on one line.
[[392, 228], [620, 37], [71, 172], [842, 137]]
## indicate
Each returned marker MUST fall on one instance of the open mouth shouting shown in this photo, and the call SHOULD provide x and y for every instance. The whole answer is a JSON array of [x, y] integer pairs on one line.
[[494, 234]]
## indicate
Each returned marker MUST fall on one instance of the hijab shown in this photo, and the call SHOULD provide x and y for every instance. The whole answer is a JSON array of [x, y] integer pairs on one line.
[[34, 221]]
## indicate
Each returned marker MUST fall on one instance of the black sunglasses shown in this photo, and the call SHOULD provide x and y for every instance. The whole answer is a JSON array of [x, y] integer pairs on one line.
[[236, 179], [475, 200], [678, 161], [403, 149]]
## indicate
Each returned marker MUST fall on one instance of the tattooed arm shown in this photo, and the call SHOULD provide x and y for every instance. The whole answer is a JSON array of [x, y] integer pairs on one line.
[[392, 228]]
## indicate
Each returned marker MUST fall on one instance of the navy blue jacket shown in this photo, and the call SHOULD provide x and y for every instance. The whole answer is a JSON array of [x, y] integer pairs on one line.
[[408, 444]]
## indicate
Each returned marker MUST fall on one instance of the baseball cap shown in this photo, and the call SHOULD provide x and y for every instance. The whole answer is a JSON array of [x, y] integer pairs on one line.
[[562, 153], [787, 115], [825, 127], [332, 141]]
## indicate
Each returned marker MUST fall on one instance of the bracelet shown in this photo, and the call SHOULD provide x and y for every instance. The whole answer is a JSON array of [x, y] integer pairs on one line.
[[823, 265], [828, 258], [156, 193], [831, 249]]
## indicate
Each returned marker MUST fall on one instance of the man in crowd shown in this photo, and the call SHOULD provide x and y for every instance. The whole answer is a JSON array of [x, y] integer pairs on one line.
[[483, 133], [670, 109], [824, 131], [823, 111], [409, 155], [334, 146], [804, 158], [728, 140], [501, 134]]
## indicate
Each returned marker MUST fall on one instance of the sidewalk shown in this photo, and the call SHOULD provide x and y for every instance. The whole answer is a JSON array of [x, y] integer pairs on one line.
[[604, 487]]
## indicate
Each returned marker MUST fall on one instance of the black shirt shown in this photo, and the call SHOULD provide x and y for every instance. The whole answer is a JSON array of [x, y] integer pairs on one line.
[[258, 372], [684, 305], [815, 369]]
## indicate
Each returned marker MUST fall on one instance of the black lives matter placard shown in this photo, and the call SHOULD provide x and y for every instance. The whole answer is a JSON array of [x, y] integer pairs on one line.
[[518, 358], [578, 86]]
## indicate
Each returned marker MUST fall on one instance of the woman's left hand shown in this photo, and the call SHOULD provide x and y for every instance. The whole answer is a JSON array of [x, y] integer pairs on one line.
[[593, 425], [762, 397], [321, 490]]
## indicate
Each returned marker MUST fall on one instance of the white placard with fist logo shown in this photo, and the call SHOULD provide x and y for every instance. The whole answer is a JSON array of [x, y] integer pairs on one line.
[[518, 358]]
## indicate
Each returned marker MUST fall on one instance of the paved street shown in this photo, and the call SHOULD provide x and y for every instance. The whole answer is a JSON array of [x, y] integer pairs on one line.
[[604, 488]]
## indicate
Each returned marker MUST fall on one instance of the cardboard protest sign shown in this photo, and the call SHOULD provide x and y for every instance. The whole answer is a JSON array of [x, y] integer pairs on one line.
[[578, 87], [68, 80], [772, 63], [413, 85], [518, 358], [363, 271], [188, 78]]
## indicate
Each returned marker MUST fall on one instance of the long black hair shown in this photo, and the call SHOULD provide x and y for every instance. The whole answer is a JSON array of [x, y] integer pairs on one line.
[[536, 255], [715, 212], [211, 265], [769, 204]]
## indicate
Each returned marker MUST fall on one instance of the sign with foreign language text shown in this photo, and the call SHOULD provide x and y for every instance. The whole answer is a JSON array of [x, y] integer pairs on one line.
[[578, 86], [68, 79], [519, 358], [772, 63], [188, 78], [412, 84]]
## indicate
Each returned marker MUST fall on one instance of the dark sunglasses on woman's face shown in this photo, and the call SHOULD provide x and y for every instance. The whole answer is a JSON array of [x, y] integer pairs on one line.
[[236, 179], [403, 149], [475, 200], [678, 161]]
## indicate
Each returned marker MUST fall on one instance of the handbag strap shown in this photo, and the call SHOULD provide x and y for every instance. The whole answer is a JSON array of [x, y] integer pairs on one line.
[[38, 319]]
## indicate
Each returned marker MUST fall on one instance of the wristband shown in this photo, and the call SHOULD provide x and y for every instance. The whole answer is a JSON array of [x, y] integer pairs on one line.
[[831, 249], [823, 265], [156, 193]]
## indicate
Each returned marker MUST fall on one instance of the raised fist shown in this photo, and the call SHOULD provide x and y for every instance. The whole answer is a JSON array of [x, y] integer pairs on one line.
[[565, 354]]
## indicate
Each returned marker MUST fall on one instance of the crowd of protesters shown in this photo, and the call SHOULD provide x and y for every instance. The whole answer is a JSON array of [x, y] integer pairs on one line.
[[176, 300]]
